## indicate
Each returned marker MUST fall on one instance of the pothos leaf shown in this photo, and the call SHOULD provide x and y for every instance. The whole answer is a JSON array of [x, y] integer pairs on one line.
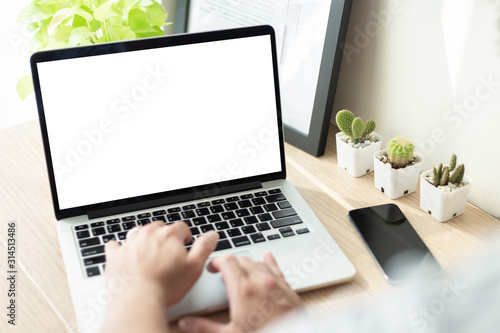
[[117, 32], [78, 35], [24, 86]]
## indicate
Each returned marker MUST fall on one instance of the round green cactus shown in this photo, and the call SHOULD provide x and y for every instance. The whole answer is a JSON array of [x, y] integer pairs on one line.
[[353, 127], [400, 151]]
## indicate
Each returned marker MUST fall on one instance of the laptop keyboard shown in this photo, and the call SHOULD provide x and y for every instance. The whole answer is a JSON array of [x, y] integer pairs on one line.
[[241, 220]]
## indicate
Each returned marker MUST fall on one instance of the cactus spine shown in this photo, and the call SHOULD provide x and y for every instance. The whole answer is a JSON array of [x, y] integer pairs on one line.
[[400, 151], [353, 127], [450, 174]]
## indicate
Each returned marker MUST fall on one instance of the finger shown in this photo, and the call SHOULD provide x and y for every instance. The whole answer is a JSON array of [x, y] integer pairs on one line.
[[273, 265], [200, 325], [132, 231], [178, 230], [202, 247], [231, 270], [110, 247]]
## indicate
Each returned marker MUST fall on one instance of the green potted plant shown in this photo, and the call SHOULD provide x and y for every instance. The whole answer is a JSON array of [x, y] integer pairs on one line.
[[397, 168], [356, 143], [444, 190], [59, 24]]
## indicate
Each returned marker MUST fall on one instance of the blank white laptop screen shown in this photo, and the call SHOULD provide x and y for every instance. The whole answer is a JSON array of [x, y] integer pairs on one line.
[[135, 123]]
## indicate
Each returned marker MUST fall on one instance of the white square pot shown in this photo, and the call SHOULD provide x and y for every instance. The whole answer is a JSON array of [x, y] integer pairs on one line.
[[356, 161], [443, 206], [396, 183]]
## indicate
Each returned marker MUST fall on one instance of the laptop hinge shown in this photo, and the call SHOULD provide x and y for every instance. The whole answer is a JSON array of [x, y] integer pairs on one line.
[[196, 195]]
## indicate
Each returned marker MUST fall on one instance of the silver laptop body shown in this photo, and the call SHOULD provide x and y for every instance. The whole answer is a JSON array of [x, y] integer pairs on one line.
[[184, 127]]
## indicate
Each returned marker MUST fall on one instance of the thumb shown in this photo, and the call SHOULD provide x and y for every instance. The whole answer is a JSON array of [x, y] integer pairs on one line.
[[200, 325]]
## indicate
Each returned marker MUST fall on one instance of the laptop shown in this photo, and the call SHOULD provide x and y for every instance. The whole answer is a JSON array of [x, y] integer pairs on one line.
[[185, 127]]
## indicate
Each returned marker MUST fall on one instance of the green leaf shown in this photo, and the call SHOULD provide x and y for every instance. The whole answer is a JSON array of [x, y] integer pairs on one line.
[[24, 86], [157, 15], [66, 14], [117, 32], [129, 4], [62, 33], [105, 11], [34, 13], [78, 35]]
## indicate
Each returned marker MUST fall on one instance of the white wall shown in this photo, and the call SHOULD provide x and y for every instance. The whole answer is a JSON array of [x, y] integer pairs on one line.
[[430, 70]]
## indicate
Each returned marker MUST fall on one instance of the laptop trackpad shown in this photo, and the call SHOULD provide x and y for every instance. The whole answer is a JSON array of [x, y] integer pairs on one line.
[[207, 295]]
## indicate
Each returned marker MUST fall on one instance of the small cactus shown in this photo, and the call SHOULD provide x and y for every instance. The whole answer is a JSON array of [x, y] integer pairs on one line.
[[400, 151], [449, 174], [353, 127]]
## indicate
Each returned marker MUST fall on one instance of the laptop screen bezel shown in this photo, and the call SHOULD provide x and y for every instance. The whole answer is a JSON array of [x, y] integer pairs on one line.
[[143, 44]]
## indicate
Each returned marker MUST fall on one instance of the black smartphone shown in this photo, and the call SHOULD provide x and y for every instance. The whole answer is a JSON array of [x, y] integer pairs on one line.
[[396, 247]]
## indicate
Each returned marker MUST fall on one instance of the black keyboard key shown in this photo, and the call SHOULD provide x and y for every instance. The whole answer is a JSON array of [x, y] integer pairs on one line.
[[231, 206], [188, 214], [93, 271], [144, 215], [194, 231], [203, 204], [258, 201], [257, 238], [273, 237], [236, 223], [114, 228], [159, 212], [265, 217], [275, 197], [107, 238], [261, 194], [286, 232], [97, 224], [284, 204], [233, 232], [244, 204], [202, 211], [241, 241], [143, 221], [121, 235], [174, 210], [274, 191], [286, 222], [94, 260], [128, 225], [173, 217], [128, 218], [232, 199], [160, 218], [251, 220], [284, 213], [270, 207], [214, 218], [207, 227], [89, 251], [242, 212], [228, 215], [98, 231], [113, 221], [221, 226], [248, 229], [81, 227], [263, 226], [218, 202], [188, 207], [89, 242], [223, 245], [256, 210], [246, 196], [302, 231], [199, 220], [222, 234], [217, 209]]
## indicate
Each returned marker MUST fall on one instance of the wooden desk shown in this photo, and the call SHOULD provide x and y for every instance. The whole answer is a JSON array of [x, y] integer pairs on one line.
[[43, 301]]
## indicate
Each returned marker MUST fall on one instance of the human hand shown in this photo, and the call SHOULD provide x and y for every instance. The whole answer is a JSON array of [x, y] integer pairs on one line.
[[257, 291], [154, 259]]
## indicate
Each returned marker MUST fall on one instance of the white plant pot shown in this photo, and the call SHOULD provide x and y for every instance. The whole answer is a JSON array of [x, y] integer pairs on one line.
[[443, 206], [396, 183], [356, 161]]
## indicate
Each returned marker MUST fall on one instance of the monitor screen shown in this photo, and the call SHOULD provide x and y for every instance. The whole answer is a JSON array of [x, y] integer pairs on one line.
[[141, 122]]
